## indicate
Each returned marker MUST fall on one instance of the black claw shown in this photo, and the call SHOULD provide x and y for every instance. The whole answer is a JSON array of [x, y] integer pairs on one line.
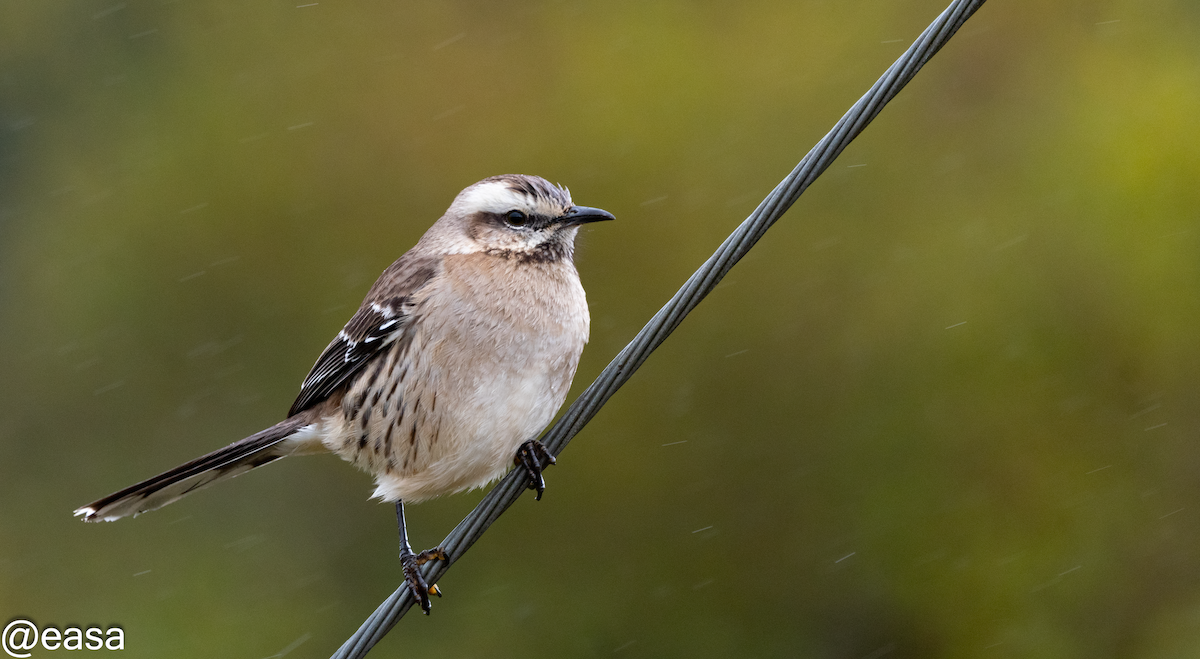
[[412, 574], [435, 554], [416, 583], [412, 563], [531, 456]]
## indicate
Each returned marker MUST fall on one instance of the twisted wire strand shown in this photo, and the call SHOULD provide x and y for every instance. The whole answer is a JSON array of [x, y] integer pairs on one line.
[[627, 362]]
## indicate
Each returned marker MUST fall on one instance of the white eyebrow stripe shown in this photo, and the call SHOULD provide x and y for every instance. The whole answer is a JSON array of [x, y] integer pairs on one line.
[[494, 197]]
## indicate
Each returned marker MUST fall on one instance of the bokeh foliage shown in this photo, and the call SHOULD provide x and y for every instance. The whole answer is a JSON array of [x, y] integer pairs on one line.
[[947, 408]]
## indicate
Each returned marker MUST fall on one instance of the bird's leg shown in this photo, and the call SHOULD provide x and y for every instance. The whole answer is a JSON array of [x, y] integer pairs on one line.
[[411, 562], [533, 457]]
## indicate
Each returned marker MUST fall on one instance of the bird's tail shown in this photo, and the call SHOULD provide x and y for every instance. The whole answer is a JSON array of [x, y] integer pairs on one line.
[[237, 458]]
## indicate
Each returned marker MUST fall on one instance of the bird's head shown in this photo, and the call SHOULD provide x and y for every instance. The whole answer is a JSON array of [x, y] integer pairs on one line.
[[514, 216]]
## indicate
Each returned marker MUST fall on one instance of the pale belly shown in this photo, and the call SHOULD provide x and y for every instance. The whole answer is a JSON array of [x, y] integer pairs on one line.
[[447, 414]]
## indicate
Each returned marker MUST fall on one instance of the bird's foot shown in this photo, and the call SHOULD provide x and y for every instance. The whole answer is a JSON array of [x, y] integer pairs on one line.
[[435, 554], [533, 457], [412, 574]]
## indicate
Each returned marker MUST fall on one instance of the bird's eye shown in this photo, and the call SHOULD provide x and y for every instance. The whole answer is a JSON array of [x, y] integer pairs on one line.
[[516, 218]]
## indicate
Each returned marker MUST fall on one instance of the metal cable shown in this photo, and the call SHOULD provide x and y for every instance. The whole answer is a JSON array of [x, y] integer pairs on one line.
[[668, 318]]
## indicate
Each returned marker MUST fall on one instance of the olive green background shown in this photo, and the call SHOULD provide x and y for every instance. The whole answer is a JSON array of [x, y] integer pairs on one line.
[[947, 408]]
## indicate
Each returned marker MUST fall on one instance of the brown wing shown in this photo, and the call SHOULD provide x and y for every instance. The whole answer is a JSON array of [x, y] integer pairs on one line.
[[386, 315]]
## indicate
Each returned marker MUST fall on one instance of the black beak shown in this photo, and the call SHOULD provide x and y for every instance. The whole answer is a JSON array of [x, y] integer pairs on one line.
[[577, 215]]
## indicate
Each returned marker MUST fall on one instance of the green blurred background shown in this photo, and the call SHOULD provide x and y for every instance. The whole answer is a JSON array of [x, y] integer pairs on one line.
[[947, 407]]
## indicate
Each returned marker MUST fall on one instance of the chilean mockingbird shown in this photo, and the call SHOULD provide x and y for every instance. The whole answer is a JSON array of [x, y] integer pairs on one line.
[[460, 354]]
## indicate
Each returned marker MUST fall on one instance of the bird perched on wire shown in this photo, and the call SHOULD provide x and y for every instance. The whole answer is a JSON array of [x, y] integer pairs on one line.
[[460, 354]]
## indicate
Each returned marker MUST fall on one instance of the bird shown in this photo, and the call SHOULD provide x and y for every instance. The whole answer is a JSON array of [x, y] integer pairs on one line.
[[461, 353]]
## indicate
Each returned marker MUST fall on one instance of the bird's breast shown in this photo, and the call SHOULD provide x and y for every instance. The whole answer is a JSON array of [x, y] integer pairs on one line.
[[494, 348]]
